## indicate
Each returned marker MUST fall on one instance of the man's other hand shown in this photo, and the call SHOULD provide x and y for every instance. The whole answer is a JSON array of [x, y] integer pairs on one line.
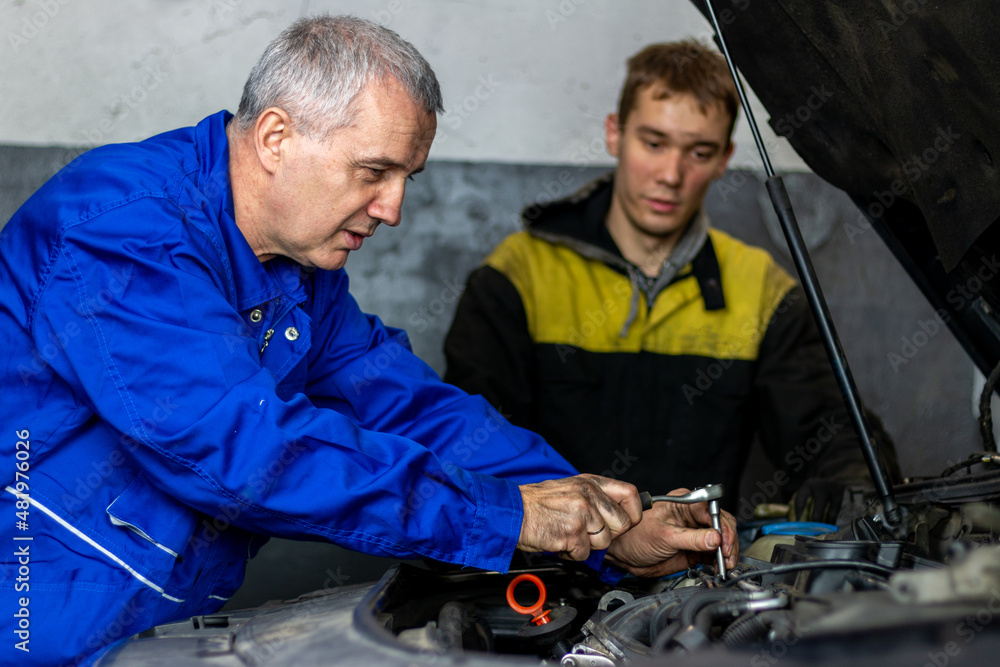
[[575, 515], [817, 500], [672, 537]]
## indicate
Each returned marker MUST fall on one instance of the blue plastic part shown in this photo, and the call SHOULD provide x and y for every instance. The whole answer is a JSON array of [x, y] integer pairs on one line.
[[798, 528]]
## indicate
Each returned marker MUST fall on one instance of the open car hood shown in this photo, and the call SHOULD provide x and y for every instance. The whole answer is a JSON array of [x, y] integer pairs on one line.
[[897, 104]]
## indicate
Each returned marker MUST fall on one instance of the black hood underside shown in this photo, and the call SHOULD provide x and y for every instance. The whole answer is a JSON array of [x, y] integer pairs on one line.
[[897, 104]]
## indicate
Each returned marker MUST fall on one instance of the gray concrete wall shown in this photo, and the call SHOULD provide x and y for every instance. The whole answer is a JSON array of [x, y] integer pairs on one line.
[[524, 81], [455, 212]]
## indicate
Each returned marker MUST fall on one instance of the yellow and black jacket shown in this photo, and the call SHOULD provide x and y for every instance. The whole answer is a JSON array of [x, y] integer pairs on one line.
[[660, 385]]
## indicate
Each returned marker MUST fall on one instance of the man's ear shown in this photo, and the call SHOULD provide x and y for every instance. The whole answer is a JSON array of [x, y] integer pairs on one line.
[[612, 134], [272, 129]]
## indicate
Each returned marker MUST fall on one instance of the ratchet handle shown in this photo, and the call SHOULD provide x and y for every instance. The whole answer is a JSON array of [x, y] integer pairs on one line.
[[647, 500], [699, 495]]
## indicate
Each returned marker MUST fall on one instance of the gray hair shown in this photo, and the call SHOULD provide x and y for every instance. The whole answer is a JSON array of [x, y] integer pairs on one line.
[[317, 66]]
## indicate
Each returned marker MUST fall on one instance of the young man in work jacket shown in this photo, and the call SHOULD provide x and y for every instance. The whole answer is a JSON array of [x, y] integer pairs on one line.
[[187, 372], [640, 342]]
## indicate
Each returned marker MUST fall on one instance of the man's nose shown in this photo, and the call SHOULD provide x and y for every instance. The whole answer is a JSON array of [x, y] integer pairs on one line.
[[670, 168], [387, 206]]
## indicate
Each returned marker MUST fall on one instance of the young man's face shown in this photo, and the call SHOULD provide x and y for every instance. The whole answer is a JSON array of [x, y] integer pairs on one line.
[[669, 151]]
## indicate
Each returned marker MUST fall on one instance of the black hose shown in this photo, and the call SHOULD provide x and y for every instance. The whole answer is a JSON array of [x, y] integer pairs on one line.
[[458, 628], [690, 607], [688, 610], [663, 638], [696, 634], [977, 457], [734, 609], [705, 618], [453, 620], [747, 629], [986, 411], [632, 621], [655, 622], [690, 574]]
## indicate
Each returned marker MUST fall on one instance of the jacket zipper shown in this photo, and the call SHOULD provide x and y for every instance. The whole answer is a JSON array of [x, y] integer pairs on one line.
[[267, 339]]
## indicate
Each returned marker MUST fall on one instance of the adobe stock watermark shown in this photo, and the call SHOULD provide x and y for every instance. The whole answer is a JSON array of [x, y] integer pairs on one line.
[[751, 333], [124, 624], [264, 649], [123, 105], [219, 8], [567, 8], [259, 484], [457, 114], [778, 648], [795, 120], [914, 167], [593, 322], [37, 21], [967, 630], [912, 344], [458, 453], [959, 297], [334, 580], [56, 342], [706, 36], [620, 464], [92, 478], [906, 10], [421, 319], [582, 156], [376, 362], [564, 10], [796, 460], [447, 638], [706, 377], [386, 15], [126, 103], [738, 175]]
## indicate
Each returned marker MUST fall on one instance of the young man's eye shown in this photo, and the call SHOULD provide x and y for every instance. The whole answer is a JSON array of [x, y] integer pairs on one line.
[[654, 145]]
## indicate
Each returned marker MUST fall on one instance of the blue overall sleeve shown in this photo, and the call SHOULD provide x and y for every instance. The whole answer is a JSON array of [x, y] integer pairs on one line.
[[385, 475], [366, 370]]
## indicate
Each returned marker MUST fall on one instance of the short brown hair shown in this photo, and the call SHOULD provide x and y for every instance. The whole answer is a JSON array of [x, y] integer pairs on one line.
[[680, 67]]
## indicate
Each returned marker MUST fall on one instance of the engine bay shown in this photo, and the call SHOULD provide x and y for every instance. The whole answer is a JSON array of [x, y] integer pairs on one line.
[[927, 591]]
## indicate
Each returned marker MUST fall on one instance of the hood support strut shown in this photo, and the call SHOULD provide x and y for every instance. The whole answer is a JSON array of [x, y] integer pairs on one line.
[[800, 255]]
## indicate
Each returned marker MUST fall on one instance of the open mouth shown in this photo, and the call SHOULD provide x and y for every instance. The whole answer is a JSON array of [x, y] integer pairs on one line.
[[354, 240]]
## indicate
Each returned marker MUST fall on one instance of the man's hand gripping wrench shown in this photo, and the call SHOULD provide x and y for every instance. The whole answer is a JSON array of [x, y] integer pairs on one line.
[[711, 494]]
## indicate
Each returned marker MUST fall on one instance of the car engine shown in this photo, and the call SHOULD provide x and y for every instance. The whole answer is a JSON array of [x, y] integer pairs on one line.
[[927, 591]]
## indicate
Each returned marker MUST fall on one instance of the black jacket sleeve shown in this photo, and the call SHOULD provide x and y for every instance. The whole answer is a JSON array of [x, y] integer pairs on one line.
[[489, 350], [804, 424]]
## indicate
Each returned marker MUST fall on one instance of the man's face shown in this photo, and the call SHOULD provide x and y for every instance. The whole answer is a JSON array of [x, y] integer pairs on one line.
[[669, 151], [329, 195]]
